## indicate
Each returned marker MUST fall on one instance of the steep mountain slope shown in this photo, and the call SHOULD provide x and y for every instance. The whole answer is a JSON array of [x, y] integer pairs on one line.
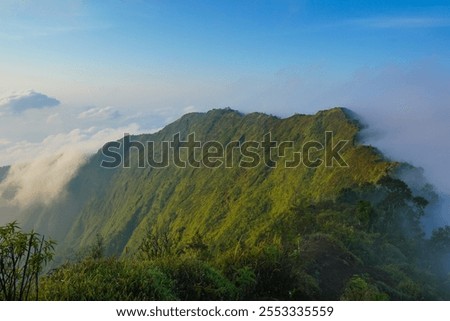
[[342, 224], [226, 206]]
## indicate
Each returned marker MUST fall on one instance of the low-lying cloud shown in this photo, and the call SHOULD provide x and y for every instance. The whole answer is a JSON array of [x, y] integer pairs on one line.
[[42, 180], [56, 160], [46, 143]]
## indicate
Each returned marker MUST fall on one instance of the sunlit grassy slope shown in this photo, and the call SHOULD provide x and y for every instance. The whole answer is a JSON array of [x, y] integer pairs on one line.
[[225, 205]]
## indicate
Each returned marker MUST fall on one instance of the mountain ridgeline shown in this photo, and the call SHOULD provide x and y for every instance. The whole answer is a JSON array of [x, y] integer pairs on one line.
[[222, 204], [329, 231]]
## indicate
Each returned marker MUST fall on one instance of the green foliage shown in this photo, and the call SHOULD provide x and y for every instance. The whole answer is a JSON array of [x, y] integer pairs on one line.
[[196, 280], [96, 251], [267, 272], [107, 279], [22, 258], [114, 279], [316, 250], [156, 245], [245, 280], [440, 239], [198, 246], [359, 289], [366, 214]]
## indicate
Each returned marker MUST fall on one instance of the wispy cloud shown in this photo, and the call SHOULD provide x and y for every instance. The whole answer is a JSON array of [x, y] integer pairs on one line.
[[393, 22], [99, 113], [25, 29], [31, 19]]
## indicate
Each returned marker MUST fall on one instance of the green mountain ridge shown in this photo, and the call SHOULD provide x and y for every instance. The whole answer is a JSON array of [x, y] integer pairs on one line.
[[322, 227], [120, 204]]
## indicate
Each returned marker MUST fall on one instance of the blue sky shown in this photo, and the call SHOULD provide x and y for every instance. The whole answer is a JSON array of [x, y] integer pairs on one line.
[[111, 41], [83, 72]]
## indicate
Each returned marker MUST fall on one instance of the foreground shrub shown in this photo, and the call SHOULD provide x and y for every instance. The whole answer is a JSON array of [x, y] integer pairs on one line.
[[107, 279], [196, 280]]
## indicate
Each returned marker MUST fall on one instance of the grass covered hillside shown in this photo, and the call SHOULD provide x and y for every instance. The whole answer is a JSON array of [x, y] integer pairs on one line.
[[324, 231], [223, 204]]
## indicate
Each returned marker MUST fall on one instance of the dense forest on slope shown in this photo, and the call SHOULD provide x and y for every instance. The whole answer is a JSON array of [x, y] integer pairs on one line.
[[326, 232]]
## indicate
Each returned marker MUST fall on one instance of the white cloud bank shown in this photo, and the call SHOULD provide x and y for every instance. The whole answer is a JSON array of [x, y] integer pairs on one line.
[[56, 160], [46, 143]]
